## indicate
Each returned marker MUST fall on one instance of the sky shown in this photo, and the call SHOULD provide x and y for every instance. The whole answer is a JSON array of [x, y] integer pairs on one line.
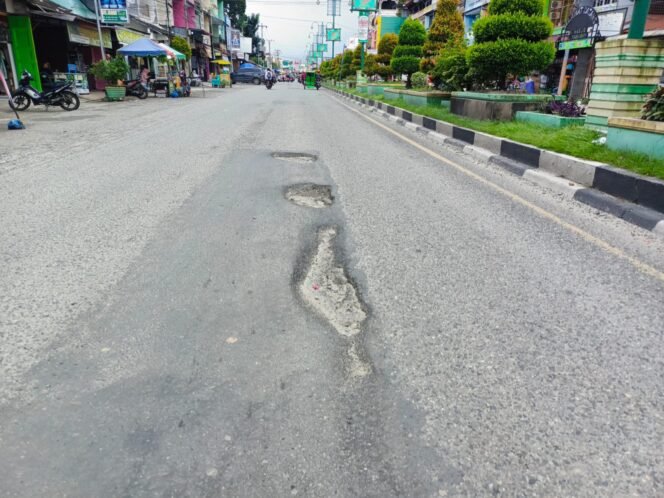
[[289, 24]]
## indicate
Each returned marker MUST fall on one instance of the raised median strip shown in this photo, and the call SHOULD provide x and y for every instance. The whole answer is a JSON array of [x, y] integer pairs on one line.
[[634, 198]]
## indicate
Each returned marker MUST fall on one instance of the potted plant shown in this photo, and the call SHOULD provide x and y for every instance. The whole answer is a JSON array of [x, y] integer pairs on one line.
[[113, 72]]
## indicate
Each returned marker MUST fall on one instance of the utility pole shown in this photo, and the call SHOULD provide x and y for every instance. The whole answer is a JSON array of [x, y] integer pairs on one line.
[[168, 24], [262, 26], [101, 40]]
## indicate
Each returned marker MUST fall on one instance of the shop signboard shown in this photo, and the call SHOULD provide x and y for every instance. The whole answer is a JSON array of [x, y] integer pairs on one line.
[[87, 35], [126, 37], [575, 44], [322, 47], [363, 28], [114, 11], [366, 5], [333, 34], [581, 31]]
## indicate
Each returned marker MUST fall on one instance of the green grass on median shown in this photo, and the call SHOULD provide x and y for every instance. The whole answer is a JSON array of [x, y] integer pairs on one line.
[[572, 140]]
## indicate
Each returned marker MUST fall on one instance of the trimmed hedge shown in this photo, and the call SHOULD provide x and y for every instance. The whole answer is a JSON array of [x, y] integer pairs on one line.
[[527, 7], [512, 26], [406, 51], [412, 33], [496, 59], [511, 40]]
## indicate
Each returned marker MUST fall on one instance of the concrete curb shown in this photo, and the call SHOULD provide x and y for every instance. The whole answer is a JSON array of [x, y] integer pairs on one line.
[[634, 198]]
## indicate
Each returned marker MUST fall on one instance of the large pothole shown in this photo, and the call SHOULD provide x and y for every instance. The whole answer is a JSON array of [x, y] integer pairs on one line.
[[328, 289], [310, 195], [296, 157]]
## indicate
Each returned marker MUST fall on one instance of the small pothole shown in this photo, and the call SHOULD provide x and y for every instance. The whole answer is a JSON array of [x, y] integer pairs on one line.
[[329, 290], [310, 195], [296, 157]]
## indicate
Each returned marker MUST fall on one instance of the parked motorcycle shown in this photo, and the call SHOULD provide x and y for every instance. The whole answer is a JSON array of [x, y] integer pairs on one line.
[[136, 89], [62, 95]]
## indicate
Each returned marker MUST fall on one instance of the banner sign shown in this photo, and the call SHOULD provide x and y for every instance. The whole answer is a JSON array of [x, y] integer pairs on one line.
[[235, 39], [322, 47], [581, 30], [363, 28], [363, 5], [333, 34], [334, 8], [114, 11]]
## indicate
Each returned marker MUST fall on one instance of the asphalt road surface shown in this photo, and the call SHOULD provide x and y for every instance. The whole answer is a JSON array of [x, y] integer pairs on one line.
[[185, 311]]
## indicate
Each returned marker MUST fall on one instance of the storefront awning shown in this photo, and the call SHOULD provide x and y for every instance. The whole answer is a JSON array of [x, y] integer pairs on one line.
[[172, 52], [88, 35], [75, 7]]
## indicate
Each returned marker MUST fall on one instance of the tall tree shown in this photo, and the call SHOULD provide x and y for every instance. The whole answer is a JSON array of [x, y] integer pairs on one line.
[[345, 70], [235, 10], [446, 28]]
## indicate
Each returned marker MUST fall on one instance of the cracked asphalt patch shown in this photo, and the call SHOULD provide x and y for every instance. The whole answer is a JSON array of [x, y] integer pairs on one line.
[[296, 157], [310, 195]]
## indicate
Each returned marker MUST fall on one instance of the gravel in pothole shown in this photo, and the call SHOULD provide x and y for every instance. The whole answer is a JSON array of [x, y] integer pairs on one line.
[[310, 195], [329, 290]]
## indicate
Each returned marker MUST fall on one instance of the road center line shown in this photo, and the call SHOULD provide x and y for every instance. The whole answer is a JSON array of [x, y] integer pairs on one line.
[[603, 245]]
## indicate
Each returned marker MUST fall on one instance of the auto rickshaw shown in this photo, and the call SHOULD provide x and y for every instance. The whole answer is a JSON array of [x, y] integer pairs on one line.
[[311, 80]]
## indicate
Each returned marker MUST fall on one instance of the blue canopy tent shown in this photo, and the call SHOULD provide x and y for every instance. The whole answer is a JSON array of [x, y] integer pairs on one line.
[[143, 48]]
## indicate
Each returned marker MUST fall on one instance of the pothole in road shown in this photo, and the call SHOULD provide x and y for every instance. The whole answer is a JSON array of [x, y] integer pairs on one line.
[[296, 157], [328, 289], [310, 195]]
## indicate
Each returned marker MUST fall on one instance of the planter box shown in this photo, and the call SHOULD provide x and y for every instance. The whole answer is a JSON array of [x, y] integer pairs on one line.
[[495, 106], [115, 92], [362, 88], [375, 89], [417, 98], [637, 135], [551, 120]]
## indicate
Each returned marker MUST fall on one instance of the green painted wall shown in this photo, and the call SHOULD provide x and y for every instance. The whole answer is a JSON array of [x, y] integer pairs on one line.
[[651, 144], [23, 47], [551, 120], [390, 25]]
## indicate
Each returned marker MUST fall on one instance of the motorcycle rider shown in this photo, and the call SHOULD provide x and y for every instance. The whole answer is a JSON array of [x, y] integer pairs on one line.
[[269, 75]]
